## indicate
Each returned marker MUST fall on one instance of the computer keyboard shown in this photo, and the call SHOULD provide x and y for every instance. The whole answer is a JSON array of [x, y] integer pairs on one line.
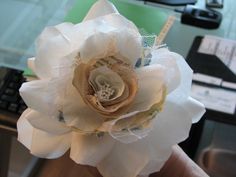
[[11, 104]]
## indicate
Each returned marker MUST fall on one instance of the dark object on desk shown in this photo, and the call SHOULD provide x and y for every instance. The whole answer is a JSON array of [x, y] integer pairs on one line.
[[194, 16], [11, 104], [213, 66], [174, 2], [214, 3], [209, 65]]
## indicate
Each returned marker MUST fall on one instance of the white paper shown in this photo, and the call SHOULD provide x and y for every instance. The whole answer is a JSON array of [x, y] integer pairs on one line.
[[224, 49], [208, 45], [229, 85], [207, 79], [215, 98], [232, 64]]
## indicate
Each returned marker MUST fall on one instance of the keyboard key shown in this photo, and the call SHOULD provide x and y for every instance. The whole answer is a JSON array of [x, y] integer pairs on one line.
[[16, 79], [3, 104], [2, 83], [13, 85], [21, 101], [21, 109], [13, 107], [9, 91], [8, 98]]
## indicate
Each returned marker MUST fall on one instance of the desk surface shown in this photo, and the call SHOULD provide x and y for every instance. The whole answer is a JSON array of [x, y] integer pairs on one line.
[[21, 23], [181, 43]]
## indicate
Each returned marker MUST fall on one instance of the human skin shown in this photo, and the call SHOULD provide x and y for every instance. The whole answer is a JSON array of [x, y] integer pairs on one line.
[[180, 165]]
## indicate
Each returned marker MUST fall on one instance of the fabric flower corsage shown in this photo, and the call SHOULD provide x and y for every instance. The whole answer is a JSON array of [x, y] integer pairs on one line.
[[96, 96]]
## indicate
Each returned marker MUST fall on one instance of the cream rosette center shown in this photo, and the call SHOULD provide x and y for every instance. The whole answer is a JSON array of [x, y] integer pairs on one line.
[[105, 88], [107, 85]]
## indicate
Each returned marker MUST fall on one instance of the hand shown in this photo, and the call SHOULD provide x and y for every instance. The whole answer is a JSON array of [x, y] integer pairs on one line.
[[180, 165]]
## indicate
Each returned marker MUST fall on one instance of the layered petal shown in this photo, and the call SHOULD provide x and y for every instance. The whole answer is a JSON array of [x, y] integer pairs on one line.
[[100, 8], [37, 96], [151, 86], [149, 100], [196, 107], [170, 61], [25, 130], [77, 114], [180, 81], [58, 46], [41, 143], [124, 160], [90, 149], [52, 46], [171, 126], [44, 95], [115, 42], [53, 125]]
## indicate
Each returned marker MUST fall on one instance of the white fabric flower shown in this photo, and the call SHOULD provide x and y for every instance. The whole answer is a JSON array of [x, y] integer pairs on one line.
[[91, 98]]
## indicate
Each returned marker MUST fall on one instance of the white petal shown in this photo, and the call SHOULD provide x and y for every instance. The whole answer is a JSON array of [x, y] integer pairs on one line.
[[131, 135], [58, 46], [25, 130], [120, 41], [77, 114], [167, 59], [100, 8], [104, 24], [124, 160], [47, 145], [150, 84], [171, 126], [101, 44], [180, 79], [129, 45], [52, 46], [90, 149], [40, 143], [43, 95], [46, 123], [196, 107]]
